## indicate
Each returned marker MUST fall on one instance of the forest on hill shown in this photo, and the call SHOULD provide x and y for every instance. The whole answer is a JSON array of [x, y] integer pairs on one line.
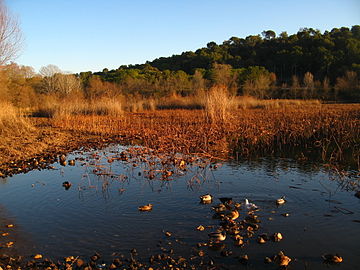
[[255, 65], [305, 65]]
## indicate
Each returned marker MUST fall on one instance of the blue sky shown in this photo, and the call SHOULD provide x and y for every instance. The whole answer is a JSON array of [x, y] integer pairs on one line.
[[83, 35]]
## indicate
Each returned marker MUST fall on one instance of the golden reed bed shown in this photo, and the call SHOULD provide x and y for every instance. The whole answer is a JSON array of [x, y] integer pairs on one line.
[[332, 130]]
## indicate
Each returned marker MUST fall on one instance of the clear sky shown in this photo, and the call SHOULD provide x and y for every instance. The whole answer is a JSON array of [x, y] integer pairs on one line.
[[89, 35]]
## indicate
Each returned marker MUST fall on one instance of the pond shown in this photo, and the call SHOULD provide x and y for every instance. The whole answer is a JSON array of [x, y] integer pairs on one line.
[[99, 212]]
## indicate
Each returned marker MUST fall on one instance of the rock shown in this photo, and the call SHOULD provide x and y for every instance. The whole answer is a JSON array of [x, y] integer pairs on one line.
[[244, 259], [200, 228], [146, 208], [38, 256], [9, 244], [66, 185], [277, 237], [69, 259], [332, 258], [282, 259], [72, 162], [95, 257], [79, 263], [261, 240]]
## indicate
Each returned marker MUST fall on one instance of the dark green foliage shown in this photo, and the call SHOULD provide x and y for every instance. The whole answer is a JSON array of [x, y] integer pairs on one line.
[[239, 62], [324, 55]]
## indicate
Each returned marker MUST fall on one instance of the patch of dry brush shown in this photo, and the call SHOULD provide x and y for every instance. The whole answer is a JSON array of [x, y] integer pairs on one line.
[[331, 130]]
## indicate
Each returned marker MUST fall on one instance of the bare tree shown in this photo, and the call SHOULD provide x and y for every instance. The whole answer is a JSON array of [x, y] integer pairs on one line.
[[67, 83], [49, 79], [58, 82], [10, 35], [49, 70]]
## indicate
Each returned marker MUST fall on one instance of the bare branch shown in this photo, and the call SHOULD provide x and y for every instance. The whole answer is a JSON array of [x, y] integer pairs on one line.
[[10, 35]]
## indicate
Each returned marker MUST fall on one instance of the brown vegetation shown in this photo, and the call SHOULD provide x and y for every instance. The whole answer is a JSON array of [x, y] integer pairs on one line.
[[250, 127], [60, 108], [333, 131], [11, 121], [218, 104]]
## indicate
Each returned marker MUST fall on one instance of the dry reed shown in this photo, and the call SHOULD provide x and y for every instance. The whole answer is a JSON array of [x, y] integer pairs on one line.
[[178, 102], [331, 130], [218, 104], [248, 102], [12, 122], [64, 108]]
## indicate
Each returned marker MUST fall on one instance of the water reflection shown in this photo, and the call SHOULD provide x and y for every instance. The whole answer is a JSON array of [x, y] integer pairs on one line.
[[99, 212]]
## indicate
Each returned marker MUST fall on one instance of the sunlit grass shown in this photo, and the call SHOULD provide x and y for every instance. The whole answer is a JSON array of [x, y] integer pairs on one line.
[[53, 108], [331, 130], [12, 121]]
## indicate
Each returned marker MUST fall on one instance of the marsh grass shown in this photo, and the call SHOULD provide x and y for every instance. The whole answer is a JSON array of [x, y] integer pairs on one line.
[[78, 107], [174, 101], [219, 104], [12, 120], [138, 104], [330, 131], [248, 102], [106, 107], [226, 126]]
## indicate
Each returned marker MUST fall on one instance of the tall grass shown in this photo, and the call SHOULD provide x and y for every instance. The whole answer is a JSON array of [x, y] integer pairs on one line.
[[54, 108], [12, 122], [333, 131], [138, 104], [178, 102], [248, 102], [218, 104], [109, 107]]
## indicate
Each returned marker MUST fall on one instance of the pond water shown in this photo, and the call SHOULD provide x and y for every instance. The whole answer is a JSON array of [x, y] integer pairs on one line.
[[99, 212]]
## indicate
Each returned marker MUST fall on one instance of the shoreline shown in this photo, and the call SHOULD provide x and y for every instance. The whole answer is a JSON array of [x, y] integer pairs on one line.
[[331, 131], [166, 132], [42, 146]]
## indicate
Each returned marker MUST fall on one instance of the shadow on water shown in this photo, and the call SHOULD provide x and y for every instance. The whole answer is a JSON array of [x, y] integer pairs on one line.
[[99, 210]]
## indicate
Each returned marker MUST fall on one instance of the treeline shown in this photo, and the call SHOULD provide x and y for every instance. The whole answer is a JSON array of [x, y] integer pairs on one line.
[[305, 65], [329, 55]]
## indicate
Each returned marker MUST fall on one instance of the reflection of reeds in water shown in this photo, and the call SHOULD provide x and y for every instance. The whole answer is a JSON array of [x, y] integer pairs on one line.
[[141, 163]]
